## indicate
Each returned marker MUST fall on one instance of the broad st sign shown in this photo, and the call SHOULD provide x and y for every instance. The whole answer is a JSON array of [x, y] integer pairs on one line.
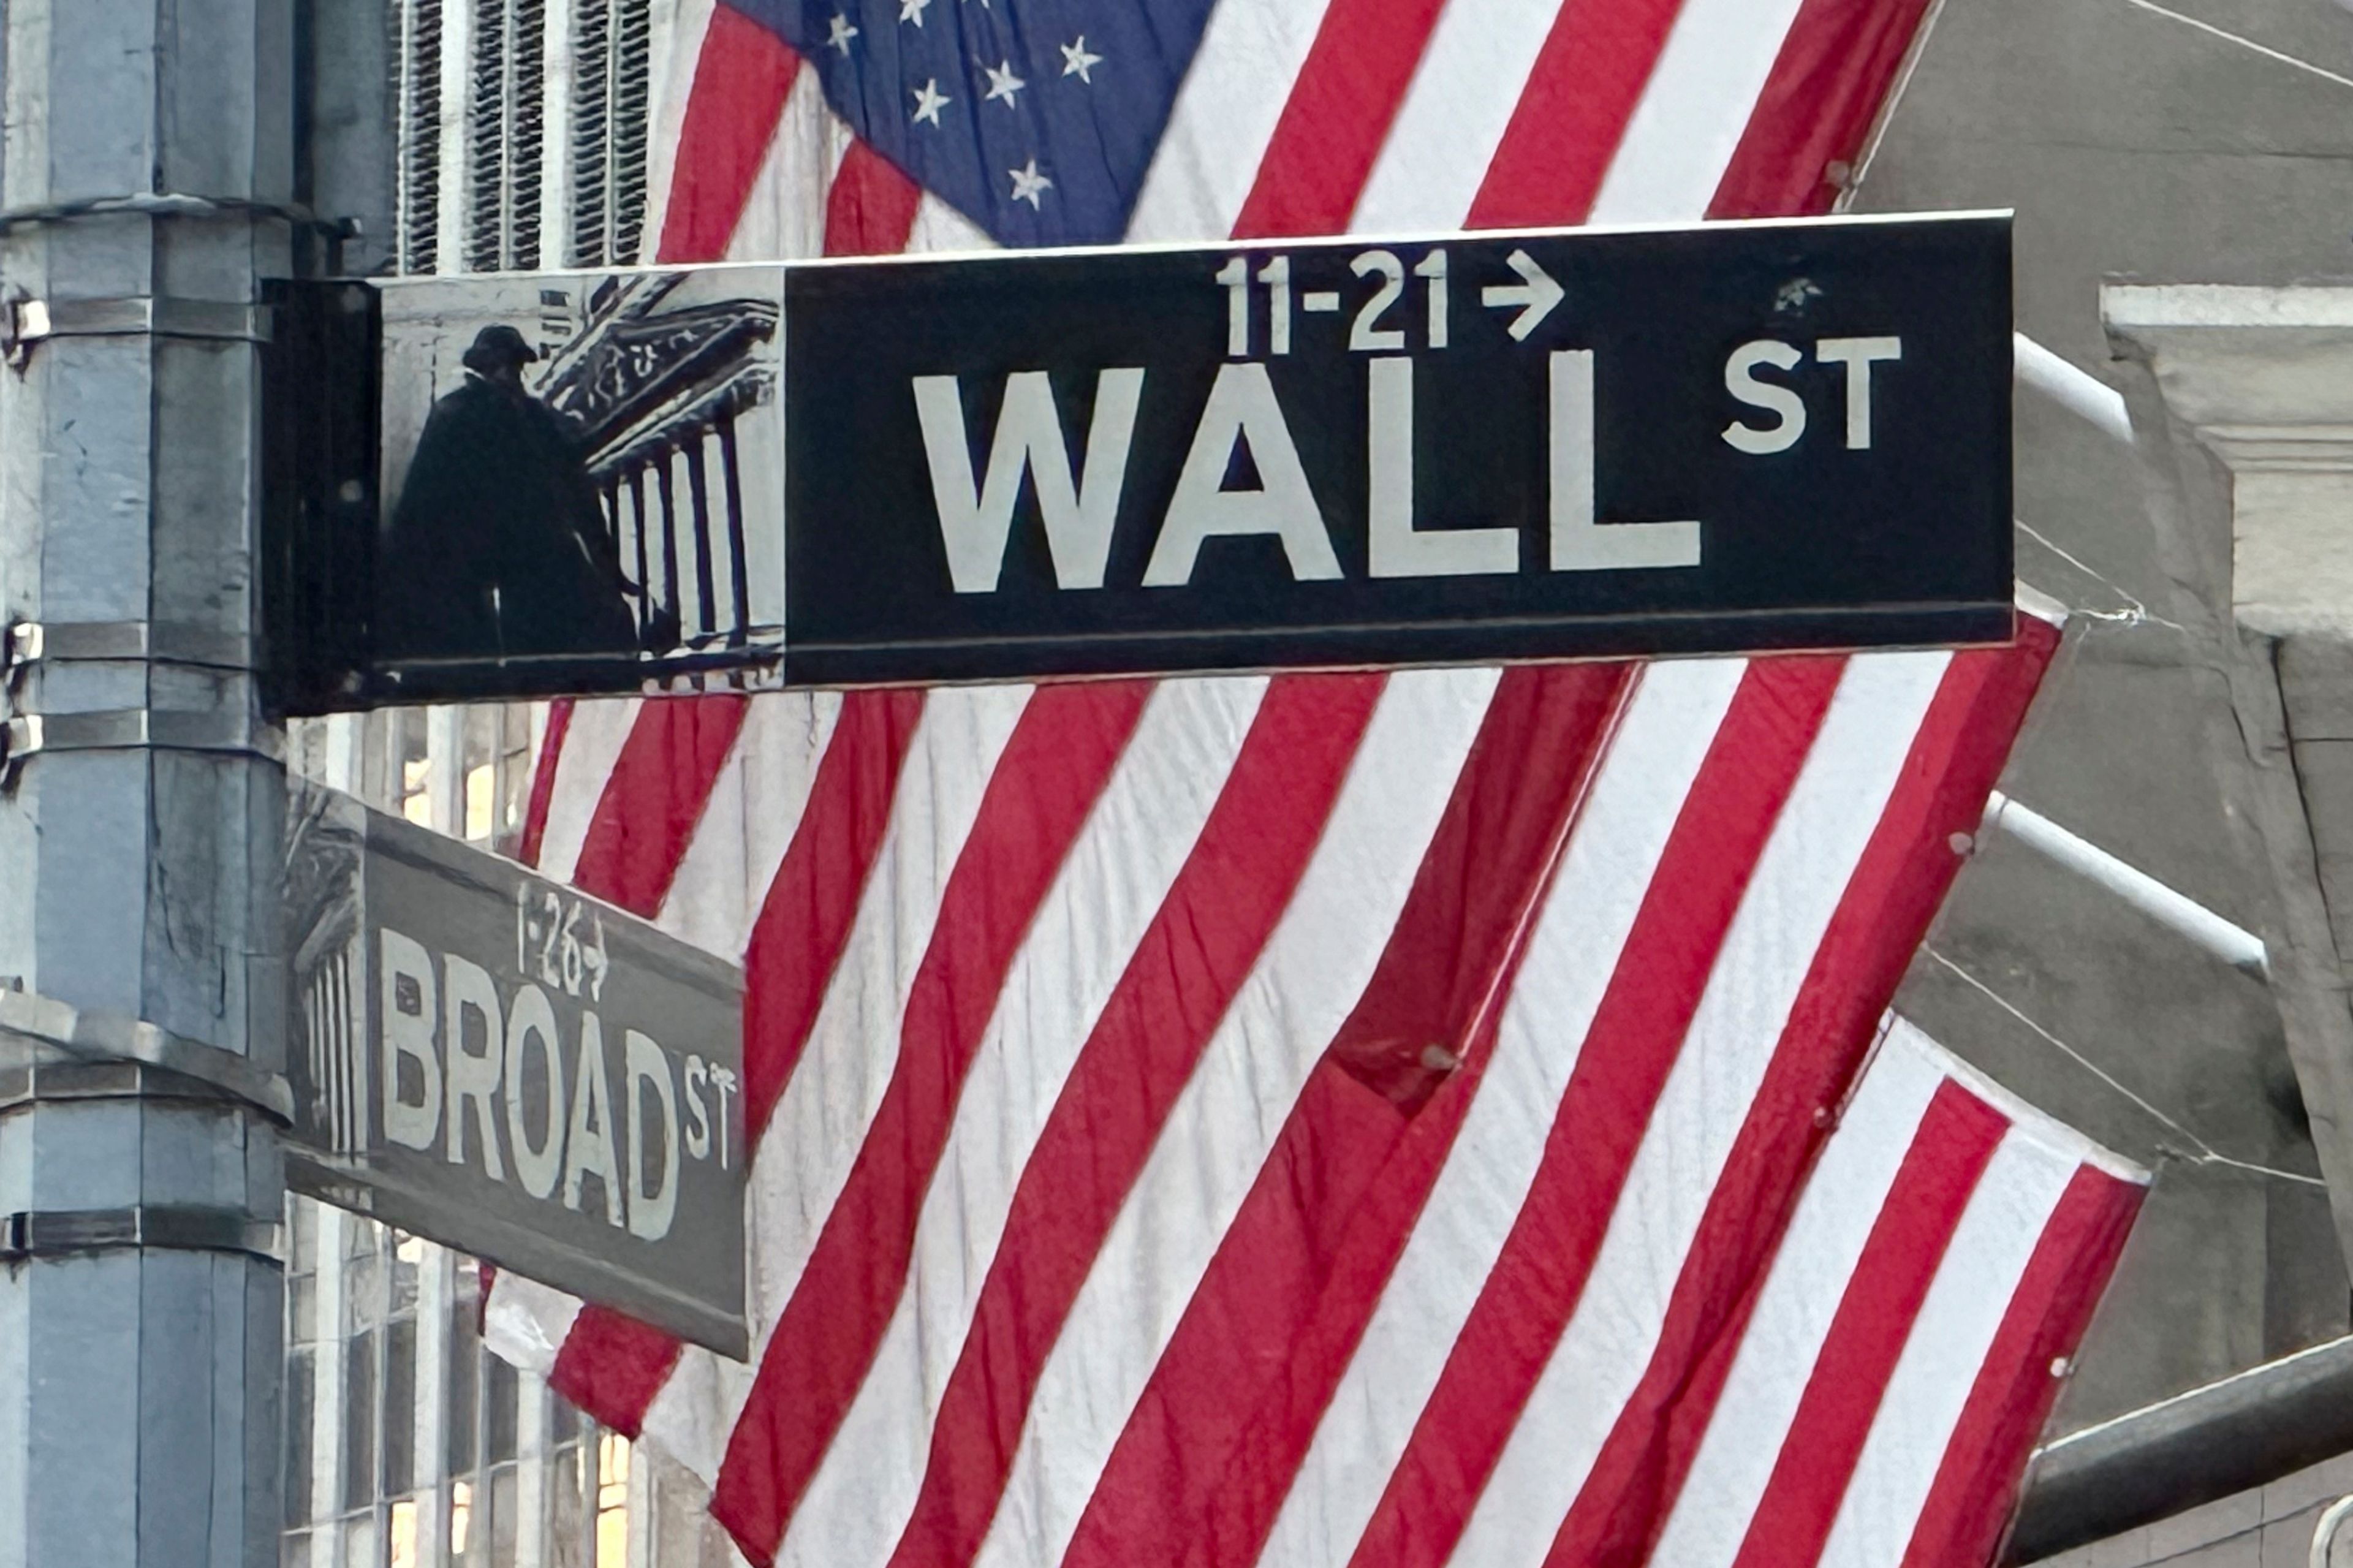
[[496, 1062], [1326, 453]]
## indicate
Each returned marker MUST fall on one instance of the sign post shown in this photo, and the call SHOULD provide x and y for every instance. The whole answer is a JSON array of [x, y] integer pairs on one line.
[[507, 1067], [1554, 444]]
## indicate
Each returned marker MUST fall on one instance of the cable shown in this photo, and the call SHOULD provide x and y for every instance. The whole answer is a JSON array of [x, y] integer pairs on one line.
[[2205, 1153], [2227, 37]]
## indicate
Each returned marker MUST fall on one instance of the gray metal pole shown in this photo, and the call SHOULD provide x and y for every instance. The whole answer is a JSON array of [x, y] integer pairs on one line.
[[140, 1312]]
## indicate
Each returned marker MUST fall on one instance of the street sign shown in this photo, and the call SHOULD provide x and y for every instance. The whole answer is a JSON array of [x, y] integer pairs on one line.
[[1322, 453], [500, 1064]]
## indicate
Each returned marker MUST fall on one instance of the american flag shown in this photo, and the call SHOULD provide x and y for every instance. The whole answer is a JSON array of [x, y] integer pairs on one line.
[[1380, 1119]]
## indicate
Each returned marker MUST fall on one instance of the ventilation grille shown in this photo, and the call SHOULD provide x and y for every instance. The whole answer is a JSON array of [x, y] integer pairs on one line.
[[420, 135], [481, 188], [611, 92]]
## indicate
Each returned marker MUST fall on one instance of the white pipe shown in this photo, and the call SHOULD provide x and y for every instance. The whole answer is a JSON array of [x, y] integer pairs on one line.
[[2077, 391], [2324, 1532], [2234, 945]]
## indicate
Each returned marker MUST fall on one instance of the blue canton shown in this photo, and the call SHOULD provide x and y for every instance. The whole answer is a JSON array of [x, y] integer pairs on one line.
[[1036, 118]]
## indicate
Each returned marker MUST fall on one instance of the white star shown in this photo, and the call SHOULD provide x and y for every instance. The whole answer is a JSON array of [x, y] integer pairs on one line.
[[913, 11], [1027, 183], [929, 101], [1076, 61], [1003, 83], [842, 34]]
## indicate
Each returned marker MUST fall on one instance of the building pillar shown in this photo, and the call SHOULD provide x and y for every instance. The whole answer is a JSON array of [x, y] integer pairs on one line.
[[140, 829]]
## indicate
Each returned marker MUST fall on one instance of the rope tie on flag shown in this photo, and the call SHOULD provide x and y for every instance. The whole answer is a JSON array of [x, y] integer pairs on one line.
[[2201, 1153], [2135, 613]]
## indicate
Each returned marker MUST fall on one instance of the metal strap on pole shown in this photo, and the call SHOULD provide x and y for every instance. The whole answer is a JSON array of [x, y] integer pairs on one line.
[[179, 1228], [46, 1025]]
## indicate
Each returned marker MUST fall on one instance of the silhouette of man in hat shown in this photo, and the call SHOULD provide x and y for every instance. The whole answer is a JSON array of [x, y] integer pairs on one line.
[[497, 547]]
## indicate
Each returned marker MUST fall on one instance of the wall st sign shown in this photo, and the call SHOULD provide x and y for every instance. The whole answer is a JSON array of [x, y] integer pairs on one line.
[[494, 1061], [1324, 453]]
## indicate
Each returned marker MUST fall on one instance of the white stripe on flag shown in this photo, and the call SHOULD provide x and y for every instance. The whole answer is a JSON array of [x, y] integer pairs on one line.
[[748, 822], [1823, 827], [592, 744], [1223, 119], [1454, 115], [1802, 1290], [1689, 122], [1219, 1133], [1613, 850], [526, 1322], [1949, 1339], [821, 1120], [678, 52], [939, 226], [1104, 898], [784, 217]]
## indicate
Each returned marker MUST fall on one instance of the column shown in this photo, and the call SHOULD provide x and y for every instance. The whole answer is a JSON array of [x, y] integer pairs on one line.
[[140, 847]]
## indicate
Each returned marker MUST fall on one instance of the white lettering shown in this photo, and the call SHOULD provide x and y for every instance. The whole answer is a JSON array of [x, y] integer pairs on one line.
[[588, 1142], [1580, 544], [537, 1165], [1858, 355], [650, 1213], [1740, 380], [1394, 547], [975, 520], [410, 1011], [466, 987], [697, 1111], [1241, 406]]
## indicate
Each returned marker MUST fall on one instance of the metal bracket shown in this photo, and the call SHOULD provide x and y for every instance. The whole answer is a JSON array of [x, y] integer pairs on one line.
[[91, 642], [181, 1227], [136, 729], [108, 1037], [28, 322]]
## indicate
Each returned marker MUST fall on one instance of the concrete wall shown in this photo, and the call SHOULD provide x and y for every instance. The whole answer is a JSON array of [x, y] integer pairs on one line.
[[2131, 144]]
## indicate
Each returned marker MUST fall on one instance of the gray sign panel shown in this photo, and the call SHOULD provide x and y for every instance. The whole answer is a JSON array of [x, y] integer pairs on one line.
[[502, 1064]]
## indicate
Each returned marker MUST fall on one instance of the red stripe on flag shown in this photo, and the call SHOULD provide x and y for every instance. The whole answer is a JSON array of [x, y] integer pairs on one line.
[[1201, 946], [542, 781], [1573, 113], [1210, 1447], [1956, 1139], [1827, 86], [812, 904], [611, 1366], [870, 209], [1053, 769], [1636, 1036], [1893, 895], [741, 79], [653, 797], [1977, 1484], [1337, 118]]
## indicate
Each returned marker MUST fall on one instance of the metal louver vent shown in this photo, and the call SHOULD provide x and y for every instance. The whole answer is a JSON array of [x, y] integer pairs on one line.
[[419, 196], [527, 136], [612, 54], [525, 132], [487, 108], [592, 120]]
